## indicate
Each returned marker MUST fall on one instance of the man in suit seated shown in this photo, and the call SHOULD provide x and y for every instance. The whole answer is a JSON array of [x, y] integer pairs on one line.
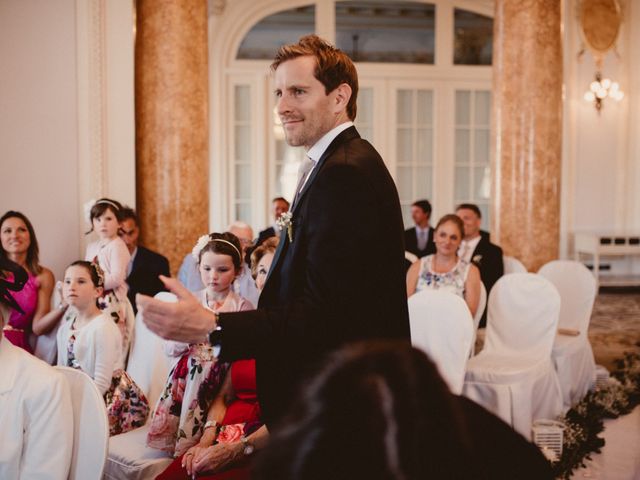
[[145, 265], [476, 248], [279, 206], [419, 239]]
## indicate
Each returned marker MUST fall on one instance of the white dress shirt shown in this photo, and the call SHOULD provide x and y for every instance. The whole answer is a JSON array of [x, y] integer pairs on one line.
[[467, 247], [36, 438], [316, 151]]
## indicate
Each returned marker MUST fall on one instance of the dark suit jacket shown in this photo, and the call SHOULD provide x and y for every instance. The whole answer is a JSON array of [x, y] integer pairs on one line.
[[147, 265], [264, 234], [488, 258], [411, 243], [341, 279]]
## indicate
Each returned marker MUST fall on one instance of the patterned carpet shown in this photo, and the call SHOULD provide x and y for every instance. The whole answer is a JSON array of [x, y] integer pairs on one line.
[[615, 326]]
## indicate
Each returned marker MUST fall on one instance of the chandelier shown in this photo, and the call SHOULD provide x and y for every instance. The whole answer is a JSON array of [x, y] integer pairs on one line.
[[602, 88]]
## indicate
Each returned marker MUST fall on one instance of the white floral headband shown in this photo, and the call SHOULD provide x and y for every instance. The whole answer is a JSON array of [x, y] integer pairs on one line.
[[89, 205], [204, 240]]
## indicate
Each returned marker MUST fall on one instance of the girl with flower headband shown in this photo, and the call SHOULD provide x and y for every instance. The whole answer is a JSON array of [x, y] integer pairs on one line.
[[111, 253], [180, 415], [89, 340]]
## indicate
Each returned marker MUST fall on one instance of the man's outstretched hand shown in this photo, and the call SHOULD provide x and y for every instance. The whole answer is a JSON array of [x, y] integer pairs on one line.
[[185, 320]]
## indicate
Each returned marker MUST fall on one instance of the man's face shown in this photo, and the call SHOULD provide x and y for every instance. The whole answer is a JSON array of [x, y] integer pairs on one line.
[[279, 207], [245, 235], [130, 233], [471, 222], [305, 111], [419, 216]]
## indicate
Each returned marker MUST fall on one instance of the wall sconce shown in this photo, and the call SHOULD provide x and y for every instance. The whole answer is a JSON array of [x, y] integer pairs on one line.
[[602, 88]]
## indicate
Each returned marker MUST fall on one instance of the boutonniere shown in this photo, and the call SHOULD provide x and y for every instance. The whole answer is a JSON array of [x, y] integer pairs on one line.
[[476, 259], [285, 222]]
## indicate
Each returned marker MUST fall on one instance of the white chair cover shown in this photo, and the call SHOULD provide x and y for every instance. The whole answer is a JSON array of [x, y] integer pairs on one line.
[[90, 426], [442, 326], [129, 457], [412, 257], [513, 375], [482, 304], [572, 355], [513, 265]]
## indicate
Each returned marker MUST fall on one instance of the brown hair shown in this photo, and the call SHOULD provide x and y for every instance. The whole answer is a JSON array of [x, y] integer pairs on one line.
[[223, 248], [454, 219], [333, 66], [268, 246], [33, 260], [101, 206]]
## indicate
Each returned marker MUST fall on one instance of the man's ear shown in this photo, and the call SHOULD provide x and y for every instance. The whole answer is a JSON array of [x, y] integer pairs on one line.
[[342, 97]]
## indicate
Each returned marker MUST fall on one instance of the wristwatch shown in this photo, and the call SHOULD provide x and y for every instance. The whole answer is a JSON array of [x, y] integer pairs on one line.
[[247, 448], [210, 424], [215, 335]]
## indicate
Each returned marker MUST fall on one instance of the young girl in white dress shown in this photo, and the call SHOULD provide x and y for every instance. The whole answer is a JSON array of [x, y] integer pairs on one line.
[[180, 415], [90, 341], [111, 253]]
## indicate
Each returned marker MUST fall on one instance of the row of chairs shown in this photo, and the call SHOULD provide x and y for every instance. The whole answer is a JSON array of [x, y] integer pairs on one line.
[[536, 361]]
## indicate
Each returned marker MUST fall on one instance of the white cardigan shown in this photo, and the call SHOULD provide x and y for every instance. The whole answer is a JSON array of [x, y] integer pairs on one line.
[[97, 348], [36, 438]]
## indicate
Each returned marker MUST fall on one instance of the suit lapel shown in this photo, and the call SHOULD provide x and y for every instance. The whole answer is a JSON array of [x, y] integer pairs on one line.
[[349, 134]]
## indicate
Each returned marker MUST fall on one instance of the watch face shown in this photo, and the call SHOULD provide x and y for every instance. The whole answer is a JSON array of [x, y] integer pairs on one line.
[[248, 449]]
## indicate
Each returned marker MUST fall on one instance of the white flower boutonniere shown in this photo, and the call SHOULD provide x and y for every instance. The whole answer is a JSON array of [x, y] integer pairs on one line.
[[476, 259], [285, 222]]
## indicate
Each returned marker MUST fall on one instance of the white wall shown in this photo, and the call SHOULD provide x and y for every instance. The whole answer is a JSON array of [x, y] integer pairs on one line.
[[38, 126], [66, 115]]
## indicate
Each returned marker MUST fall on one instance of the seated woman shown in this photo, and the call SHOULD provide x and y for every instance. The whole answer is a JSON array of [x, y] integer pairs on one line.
[[20, 245], [35, 403], [233, 429], [90, 341], [381, 411], [444, 270]]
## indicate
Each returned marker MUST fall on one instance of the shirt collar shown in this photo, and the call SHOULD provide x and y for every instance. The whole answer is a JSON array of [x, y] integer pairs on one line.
[[321, 145]]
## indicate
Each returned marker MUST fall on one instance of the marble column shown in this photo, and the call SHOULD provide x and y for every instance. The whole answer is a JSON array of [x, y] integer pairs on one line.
[[527, 129], [172, 125]]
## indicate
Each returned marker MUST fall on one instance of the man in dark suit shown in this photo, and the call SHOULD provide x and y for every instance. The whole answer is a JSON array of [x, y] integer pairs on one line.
[[338, 273], [419, 238], [279, 206], [476, 248], [145, 265]]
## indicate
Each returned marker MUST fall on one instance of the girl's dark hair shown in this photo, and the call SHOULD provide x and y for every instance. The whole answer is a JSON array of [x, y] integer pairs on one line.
[[33, 260], [101, 206], [453, 219], [95, 272], [218, 244], [378, 410]]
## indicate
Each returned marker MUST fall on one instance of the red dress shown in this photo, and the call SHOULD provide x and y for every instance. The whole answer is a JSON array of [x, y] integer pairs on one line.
[[244, 410]]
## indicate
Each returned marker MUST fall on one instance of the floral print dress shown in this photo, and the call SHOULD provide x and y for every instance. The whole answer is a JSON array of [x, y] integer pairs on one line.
[[193, 382], [452, 281]]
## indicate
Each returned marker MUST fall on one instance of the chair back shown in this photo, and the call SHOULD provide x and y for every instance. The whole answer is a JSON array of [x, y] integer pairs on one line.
[[90, 426], [482, 304], [513, 265], [577, 288], [523, 316], [441, 326], [148, 365]]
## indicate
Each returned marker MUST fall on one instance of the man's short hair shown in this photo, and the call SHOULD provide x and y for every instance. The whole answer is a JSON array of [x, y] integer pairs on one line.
[[470, 206], [425, 205], [333, 66], [128, 212], [281, 199]]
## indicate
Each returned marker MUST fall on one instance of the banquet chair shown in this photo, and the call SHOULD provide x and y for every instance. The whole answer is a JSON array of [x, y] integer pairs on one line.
[[513, 265], [572, 354], [90, 426], [513, 376], [411, 257], [482, 304], [129, 457], [441, 326]]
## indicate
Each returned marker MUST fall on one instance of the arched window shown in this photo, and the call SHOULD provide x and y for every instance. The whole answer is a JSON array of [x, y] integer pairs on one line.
[[424, 100]]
